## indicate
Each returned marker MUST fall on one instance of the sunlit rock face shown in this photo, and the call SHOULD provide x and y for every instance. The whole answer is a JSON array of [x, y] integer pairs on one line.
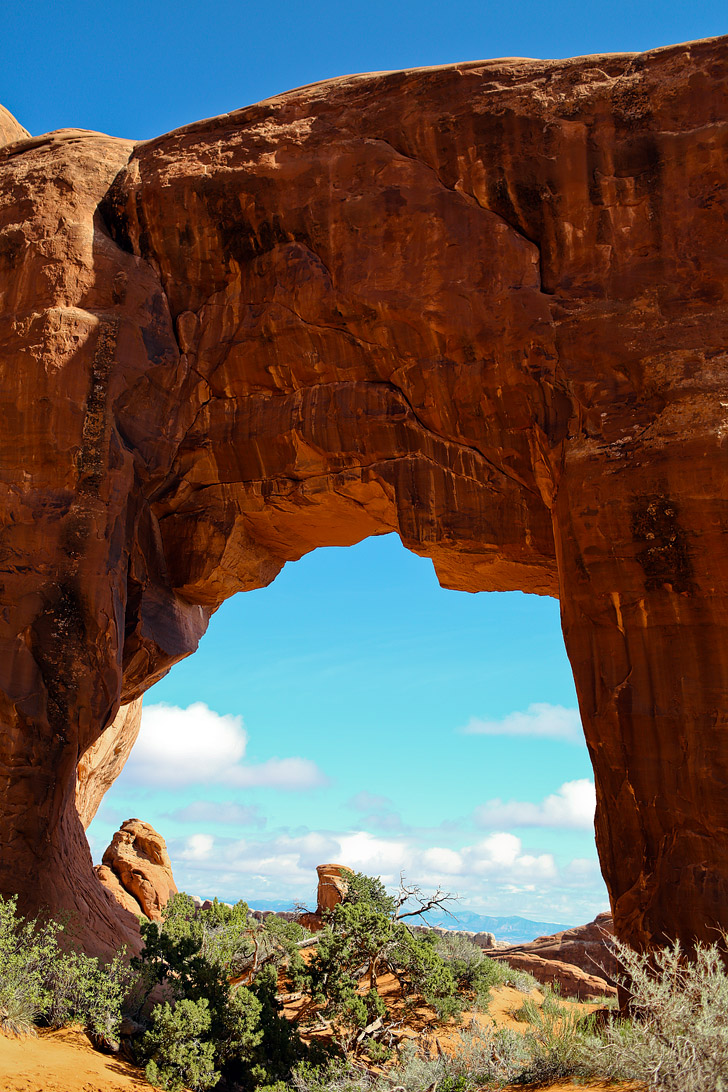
[[136, 869], [483, 306]]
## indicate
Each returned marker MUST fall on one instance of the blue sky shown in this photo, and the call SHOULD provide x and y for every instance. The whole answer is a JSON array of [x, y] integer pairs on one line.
[[354, 710]]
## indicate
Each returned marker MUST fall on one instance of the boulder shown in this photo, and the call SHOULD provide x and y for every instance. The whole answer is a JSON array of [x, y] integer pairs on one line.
[[136, 869]]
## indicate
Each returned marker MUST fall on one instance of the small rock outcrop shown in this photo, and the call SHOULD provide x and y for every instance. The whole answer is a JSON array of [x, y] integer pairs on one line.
[[136, 869], [332, 889], [580, 960], [569, 979]]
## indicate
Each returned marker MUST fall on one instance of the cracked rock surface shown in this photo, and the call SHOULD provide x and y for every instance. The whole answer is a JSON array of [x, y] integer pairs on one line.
[[483, 306]]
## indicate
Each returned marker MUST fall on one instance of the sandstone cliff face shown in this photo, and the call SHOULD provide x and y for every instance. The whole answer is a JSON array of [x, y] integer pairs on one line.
[[483, 306], [99, 766]]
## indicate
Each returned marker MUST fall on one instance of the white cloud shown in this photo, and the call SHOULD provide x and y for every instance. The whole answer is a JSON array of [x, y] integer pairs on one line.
[[571, 807], [198, 847], [446, 861], [196, 745], [375, 856], [498, 874], [276, 773], [540, 719]]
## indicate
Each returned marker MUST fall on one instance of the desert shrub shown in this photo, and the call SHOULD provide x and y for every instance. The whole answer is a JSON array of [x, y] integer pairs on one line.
[[551, 1004], [83, 990], [377, 1051], [178, 1048], [195, 954], [364, 938], [484, 1055], [475, 973], [559, 1044], [420, 968], [370, 890], [678, 1040], [333, 1075], [42, 983]]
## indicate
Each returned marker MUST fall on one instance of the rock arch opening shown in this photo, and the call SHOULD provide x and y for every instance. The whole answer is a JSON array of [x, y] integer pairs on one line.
[[356, 675]]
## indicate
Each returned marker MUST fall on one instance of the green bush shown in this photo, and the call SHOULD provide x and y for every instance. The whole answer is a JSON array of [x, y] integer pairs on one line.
[[42, 983], [559, 1044], [194, 954], [363, 938], [178, 1048]]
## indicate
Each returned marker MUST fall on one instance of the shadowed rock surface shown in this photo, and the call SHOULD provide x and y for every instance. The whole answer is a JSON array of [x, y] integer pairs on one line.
[[483, 306]]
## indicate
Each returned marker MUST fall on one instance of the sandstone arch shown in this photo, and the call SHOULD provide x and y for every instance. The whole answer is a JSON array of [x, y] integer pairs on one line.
[[482, 305]]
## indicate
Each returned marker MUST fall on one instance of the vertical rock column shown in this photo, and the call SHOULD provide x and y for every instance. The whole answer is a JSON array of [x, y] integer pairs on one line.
[[645, 617]]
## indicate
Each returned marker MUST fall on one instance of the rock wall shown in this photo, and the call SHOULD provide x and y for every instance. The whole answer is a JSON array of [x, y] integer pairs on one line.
[[483, 306]]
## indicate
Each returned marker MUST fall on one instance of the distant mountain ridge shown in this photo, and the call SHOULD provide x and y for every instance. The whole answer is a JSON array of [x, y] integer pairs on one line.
[[512, 930]]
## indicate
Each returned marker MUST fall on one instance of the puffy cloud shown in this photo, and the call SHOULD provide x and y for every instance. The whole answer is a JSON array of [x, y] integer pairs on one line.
[[198, 847], [571, 807], [376, 856], [196, 746], [446, 861], [540, 719], [277, 773], [498, 873]]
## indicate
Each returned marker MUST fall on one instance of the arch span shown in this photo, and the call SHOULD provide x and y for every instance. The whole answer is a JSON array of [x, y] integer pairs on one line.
[[483, 306]]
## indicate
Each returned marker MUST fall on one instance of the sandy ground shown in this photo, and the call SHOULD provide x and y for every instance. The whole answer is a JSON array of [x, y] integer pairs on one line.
[[65, 1061]]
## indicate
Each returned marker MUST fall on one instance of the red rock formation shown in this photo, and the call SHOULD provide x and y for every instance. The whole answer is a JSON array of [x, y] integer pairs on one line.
[[587, 947], [136, 869], [567, 978], [99, 766], [332, 888], [10, 129], [481, 305]]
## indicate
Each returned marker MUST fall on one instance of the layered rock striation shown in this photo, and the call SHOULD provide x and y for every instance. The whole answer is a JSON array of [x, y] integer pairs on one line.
[[483, 306], [581, 961]]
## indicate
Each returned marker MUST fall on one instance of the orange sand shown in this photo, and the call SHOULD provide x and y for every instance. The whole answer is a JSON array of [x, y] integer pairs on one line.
[[65, 1061]]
